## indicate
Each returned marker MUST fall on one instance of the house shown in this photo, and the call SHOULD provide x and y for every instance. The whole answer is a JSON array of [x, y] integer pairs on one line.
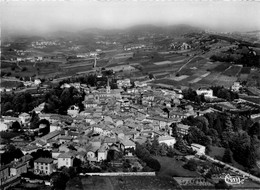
[[73, 111], [128, 146], [37, 82], [102, 153], [185, 46], [43, 166], [92, 154], [123, 83], [4, 174], [205, 92], [170, 141], [200, 149], [18, 167], [39, 108], [236, 87], [65, 139], [66, 159], [182, 129], [24, 117], [3, 126], [9, 119]]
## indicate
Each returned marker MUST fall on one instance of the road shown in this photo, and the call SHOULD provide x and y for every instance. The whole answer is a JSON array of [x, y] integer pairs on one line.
[[235, 170]]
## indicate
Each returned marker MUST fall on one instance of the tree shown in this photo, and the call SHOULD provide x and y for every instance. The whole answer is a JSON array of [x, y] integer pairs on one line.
[[59, 180], [191, 165], [227, 156], [163, 149], [155, 147], [10, 154], [151, 76], [141, 152], [34, 123], [16, 126], [153, 163], [228, 124], [46, 129], [222, 185], [174, 129], [254, 130]]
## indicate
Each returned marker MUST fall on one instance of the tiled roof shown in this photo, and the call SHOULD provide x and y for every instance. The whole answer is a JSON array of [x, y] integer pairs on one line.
[[44, 160], [66, 155]]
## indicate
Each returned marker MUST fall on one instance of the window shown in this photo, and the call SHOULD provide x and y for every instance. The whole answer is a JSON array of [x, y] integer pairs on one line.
[[46, 168]]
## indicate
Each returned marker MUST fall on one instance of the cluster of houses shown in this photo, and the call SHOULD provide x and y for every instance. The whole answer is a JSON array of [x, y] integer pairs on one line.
[[113, 120], [44, 44], [179, 46]]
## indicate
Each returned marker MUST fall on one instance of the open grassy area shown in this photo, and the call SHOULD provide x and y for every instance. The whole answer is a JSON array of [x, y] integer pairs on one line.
[[171, 167]]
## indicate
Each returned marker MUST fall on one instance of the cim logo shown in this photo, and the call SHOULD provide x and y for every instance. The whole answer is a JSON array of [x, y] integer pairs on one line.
[[234, 180]]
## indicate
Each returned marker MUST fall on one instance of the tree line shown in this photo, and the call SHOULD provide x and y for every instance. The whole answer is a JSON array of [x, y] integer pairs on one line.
[[239, 134]]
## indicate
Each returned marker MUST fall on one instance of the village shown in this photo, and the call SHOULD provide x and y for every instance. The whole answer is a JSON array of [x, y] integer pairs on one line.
[[110, 127]]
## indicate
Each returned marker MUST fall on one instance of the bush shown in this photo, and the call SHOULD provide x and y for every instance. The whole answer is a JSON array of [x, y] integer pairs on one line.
[[153, 163], [191, 165]]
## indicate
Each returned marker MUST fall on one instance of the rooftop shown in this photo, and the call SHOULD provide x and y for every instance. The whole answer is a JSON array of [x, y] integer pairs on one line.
[[44, 160]]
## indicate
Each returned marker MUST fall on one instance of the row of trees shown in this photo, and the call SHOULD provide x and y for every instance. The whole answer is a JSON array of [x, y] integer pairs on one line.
[[248, 60]]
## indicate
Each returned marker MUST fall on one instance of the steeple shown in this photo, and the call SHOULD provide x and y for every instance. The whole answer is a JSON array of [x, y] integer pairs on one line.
[[95, 63], [108, 86]]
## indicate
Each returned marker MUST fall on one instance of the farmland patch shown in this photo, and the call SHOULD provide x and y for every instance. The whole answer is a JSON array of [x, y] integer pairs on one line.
[[232, 71], [162, 63]]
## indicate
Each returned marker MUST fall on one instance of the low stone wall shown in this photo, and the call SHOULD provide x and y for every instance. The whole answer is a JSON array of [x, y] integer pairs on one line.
[[120, 174]]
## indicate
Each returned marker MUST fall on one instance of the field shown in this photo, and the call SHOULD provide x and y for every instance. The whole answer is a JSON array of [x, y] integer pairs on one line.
[[245, 70], [121, 183], [232, 71], [31, 69], [221, 67]]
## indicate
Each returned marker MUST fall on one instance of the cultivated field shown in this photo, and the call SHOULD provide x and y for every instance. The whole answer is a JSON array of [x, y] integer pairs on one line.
[[232, 71]]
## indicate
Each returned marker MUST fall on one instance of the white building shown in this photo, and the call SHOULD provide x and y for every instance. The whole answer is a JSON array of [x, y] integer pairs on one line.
[[37, 82], [200, 149], [25, 118], [3, 126], [236, 87], [123, 83], [170, 141], [205, 92], [66, 159], [73, 111], [102, 153], [43, 166]]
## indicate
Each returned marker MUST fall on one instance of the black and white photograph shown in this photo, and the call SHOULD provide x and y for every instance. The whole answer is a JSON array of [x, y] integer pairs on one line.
[[129, 94]]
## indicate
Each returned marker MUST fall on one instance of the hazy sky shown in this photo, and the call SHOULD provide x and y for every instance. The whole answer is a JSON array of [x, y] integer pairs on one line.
[[46, 16]]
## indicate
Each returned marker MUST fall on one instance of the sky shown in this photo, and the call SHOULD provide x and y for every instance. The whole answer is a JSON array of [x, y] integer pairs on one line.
[[47, 16]]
